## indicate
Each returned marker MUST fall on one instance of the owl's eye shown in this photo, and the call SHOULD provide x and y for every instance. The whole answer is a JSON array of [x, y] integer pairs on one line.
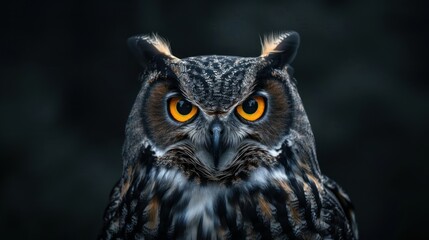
[[181, 110], [252, 109]]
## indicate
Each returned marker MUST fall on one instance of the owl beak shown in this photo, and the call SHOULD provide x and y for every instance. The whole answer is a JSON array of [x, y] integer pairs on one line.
[[216, 130]]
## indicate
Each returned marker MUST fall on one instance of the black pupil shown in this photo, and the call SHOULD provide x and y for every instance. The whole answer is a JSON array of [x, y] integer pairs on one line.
[[184, 107], [250, 106]]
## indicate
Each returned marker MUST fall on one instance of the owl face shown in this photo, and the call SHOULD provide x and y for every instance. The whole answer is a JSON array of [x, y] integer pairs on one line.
[[212, 110]]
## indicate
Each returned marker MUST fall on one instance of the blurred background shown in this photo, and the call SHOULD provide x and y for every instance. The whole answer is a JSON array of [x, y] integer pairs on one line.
[[68, 83]]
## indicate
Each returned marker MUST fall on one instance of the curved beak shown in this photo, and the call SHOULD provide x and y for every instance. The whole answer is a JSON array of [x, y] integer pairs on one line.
[[216, 130]]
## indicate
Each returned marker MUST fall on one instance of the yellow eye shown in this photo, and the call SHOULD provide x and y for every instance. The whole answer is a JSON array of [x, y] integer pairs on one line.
[[252, 109], [181, 110]]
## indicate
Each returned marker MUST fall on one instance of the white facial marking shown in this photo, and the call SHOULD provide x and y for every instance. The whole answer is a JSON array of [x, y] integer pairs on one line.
[[158, 152]]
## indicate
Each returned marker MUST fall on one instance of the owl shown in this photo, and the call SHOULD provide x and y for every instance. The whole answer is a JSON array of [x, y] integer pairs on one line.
[[220, 147]]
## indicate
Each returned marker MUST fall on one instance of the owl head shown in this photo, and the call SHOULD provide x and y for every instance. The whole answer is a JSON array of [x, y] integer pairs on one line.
[[217, 118]]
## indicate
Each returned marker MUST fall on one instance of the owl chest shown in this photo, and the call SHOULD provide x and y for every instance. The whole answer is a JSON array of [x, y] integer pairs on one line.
[[172, 210], [189, 213]]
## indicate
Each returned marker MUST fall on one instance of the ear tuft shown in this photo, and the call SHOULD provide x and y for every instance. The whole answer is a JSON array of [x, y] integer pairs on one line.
[[161, 44], [147, 47], [281, 47]]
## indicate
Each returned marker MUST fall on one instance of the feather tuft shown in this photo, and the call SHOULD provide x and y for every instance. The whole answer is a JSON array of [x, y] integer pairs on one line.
[[270, 43], [161, 44]]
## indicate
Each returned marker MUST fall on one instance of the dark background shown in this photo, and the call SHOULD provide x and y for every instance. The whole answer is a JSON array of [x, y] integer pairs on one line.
[[68, 83]]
